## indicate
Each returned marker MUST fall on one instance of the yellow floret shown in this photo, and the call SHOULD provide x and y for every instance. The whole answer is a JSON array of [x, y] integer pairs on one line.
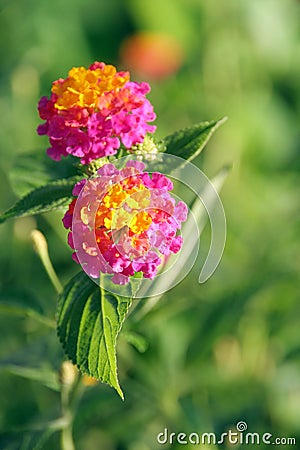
[[140, 222], [83, 87]]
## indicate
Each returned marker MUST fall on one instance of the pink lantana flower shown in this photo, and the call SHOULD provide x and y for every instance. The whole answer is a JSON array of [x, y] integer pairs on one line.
[[124, 222], [93, 111]]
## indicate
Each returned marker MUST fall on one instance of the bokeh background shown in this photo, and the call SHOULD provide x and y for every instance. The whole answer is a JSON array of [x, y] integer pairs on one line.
[[217, 353]]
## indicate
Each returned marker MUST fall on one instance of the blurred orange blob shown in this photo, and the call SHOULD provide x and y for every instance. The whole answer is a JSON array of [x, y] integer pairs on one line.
[[89, 381], [151, 54]]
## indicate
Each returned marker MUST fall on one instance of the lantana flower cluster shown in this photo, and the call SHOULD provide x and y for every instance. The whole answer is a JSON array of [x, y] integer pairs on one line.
[[94, 111], [124, 222]]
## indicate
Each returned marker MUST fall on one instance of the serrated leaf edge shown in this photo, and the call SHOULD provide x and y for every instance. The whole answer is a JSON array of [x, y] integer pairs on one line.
[[214, 124], [11, 212], [116, 386]]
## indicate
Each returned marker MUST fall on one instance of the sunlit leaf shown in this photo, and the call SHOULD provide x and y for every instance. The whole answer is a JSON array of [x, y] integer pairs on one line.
[[89, 320], [189, 142], [46, 198]]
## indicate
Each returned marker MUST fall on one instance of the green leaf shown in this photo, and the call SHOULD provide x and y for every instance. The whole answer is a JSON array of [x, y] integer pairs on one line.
[[17, 309], [46, 198], [189, 142], [44, 168], [43, 375], [22, 303], [136, 340], [37, 440], [89, 320], [28, 440]]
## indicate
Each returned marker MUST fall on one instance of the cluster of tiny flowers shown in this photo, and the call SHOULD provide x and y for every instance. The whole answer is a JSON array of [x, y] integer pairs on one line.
[[93, 111], [146, 150], [124, 222]]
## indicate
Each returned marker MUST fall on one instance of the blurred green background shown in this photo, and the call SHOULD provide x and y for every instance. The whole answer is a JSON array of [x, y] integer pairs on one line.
[[218, 353]]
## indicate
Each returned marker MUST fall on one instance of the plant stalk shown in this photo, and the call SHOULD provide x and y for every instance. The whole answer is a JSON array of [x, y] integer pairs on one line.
[[41, 247]]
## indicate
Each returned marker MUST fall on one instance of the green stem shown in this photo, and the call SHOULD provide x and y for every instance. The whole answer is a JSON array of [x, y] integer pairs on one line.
[[41, 247], [69, 382], [67, 442]]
